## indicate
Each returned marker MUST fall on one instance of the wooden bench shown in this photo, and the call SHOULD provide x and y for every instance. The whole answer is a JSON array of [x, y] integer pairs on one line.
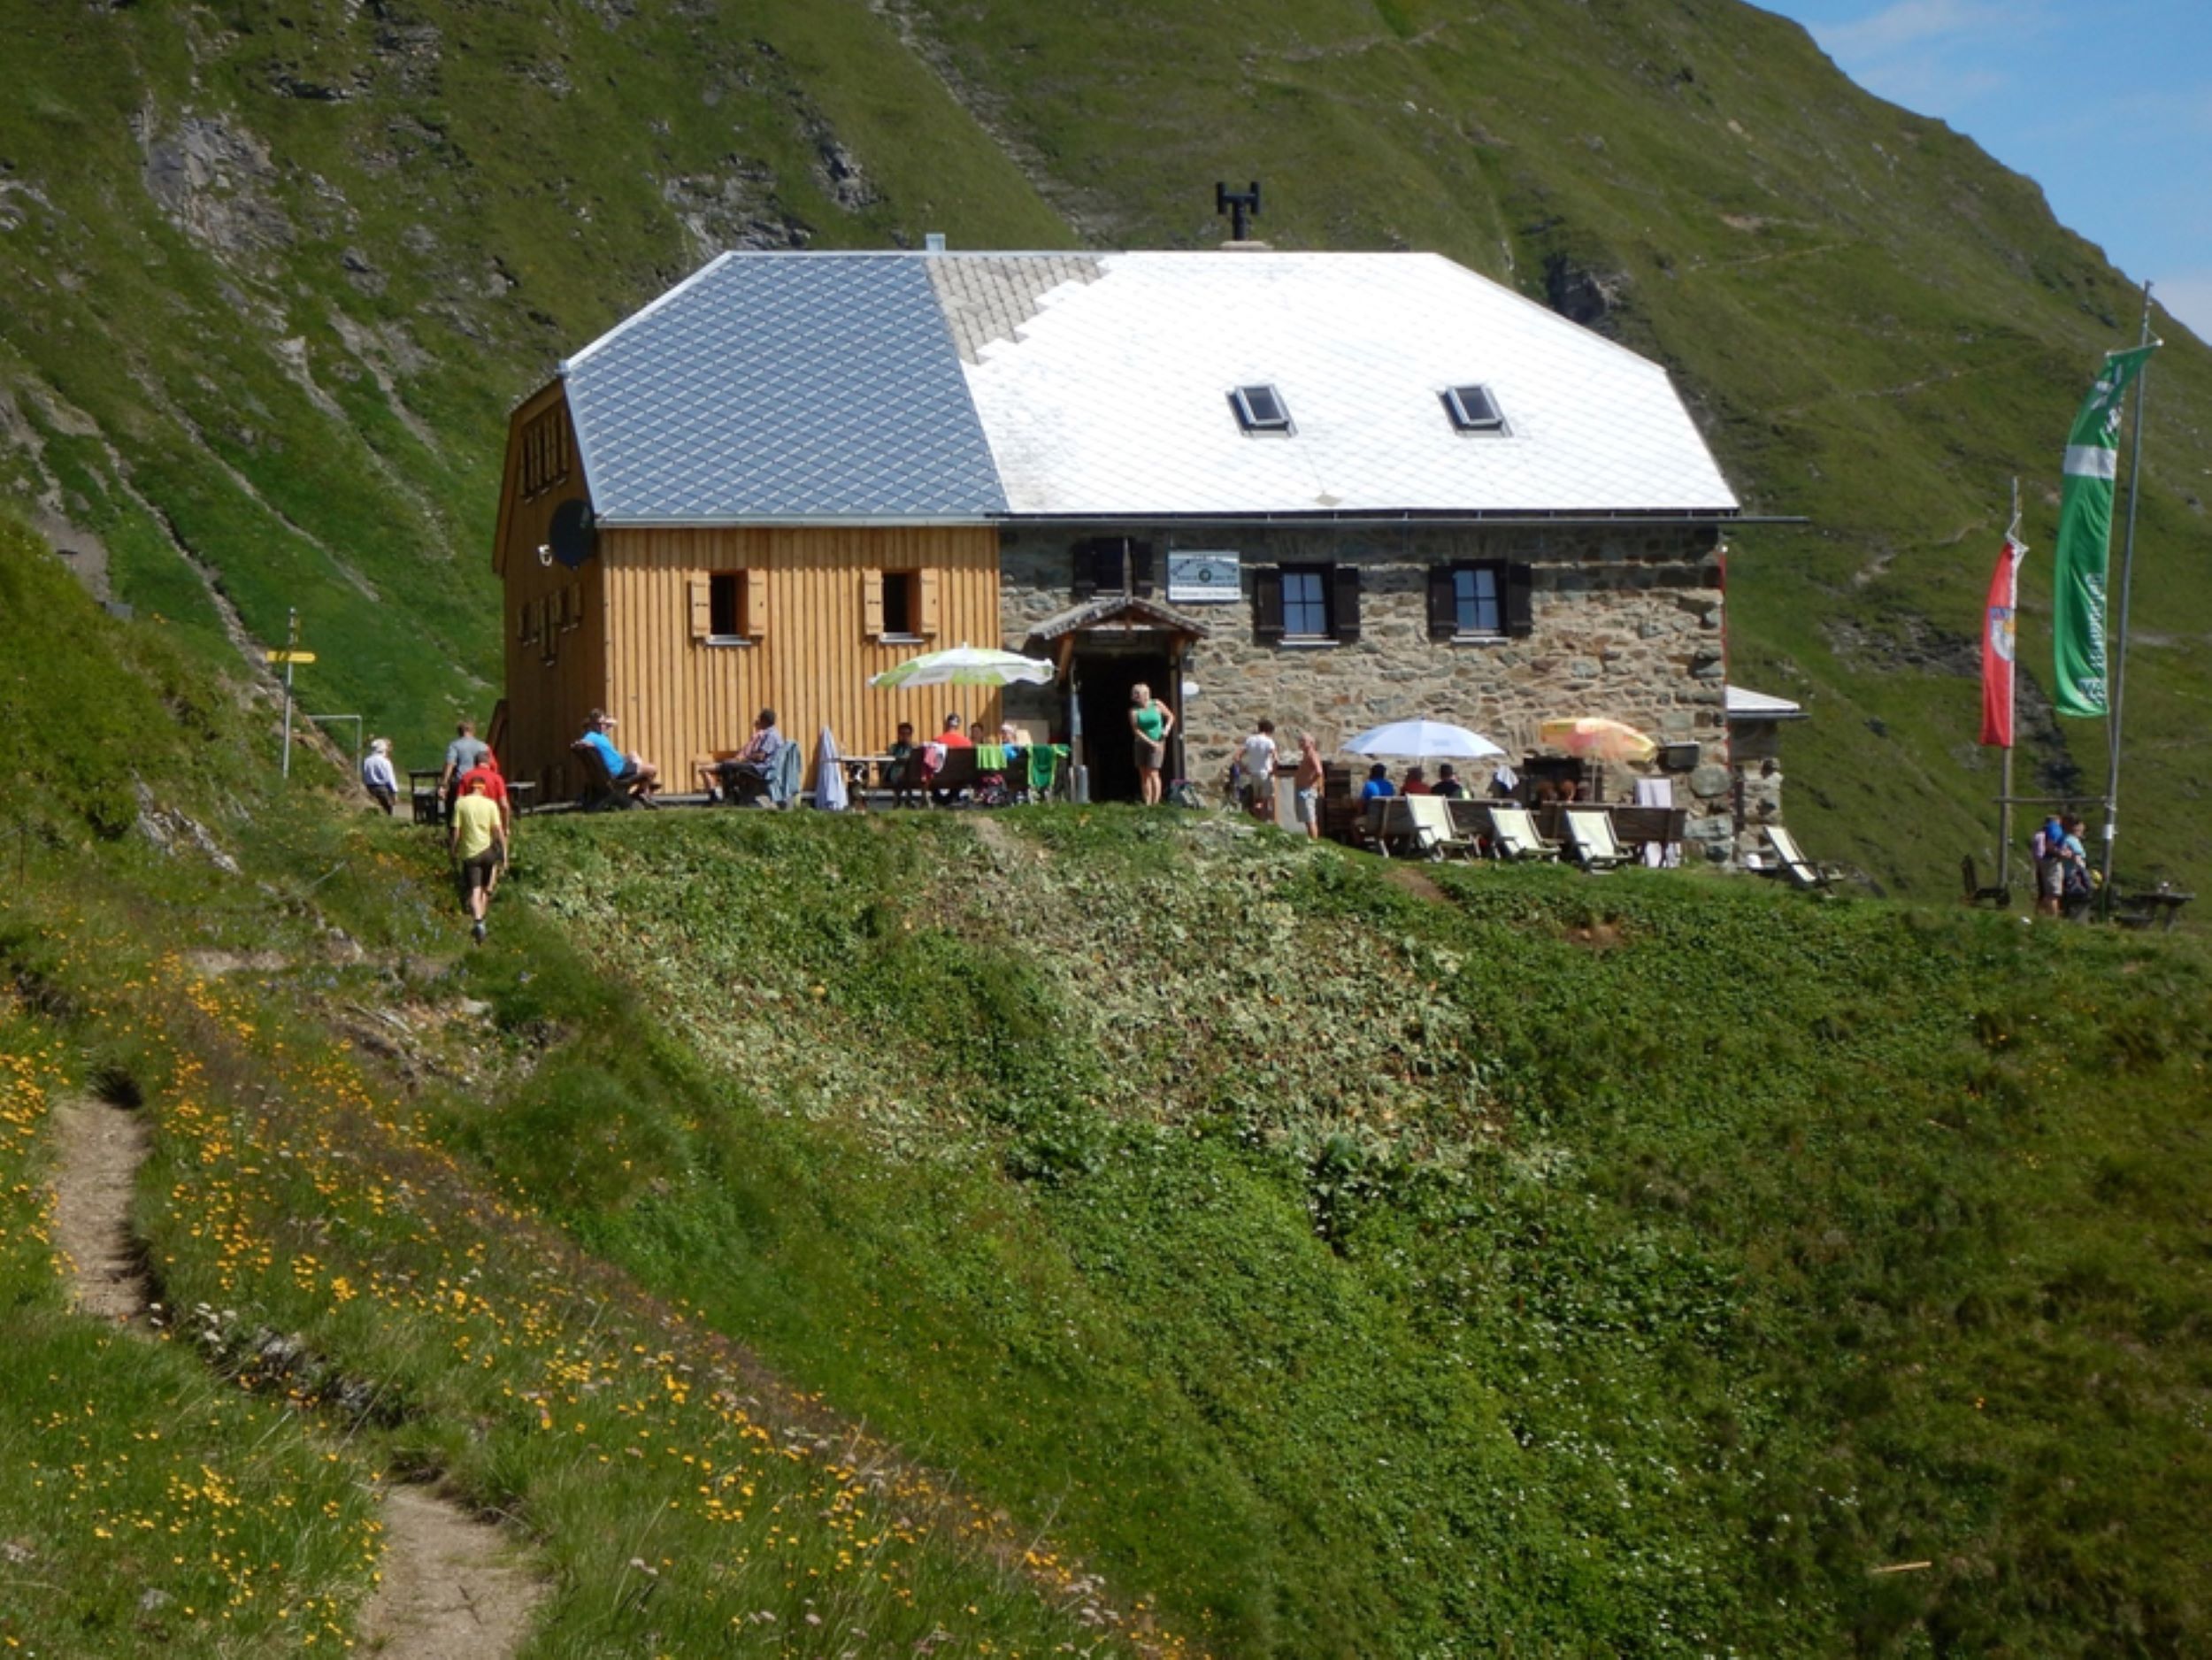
[[958, 773], [2149, 907]]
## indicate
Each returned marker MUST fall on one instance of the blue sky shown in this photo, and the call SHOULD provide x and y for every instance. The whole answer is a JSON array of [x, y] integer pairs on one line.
[[2107, 105]]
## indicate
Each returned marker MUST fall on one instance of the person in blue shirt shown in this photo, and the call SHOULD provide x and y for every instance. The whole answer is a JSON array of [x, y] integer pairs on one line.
[[1378, 783], [629, 772]]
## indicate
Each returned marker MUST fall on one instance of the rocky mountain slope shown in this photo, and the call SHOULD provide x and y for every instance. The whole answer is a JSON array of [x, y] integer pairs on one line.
[[275, 272]]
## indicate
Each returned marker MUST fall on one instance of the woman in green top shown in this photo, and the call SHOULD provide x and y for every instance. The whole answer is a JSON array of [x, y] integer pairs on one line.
[[1151, 722]]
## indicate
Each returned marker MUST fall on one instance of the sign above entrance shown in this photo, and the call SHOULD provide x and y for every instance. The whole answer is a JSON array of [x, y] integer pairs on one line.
[[1201, 579]]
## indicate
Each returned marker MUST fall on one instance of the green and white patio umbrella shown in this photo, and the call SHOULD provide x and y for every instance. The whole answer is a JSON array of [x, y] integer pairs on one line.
[[966, 665]]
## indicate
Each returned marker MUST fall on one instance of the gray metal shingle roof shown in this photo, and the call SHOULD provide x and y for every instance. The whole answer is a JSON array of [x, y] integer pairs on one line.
[[792, 387]]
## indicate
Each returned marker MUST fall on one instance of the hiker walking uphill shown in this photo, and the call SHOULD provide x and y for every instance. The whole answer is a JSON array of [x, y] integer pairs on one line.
[[476, 842]]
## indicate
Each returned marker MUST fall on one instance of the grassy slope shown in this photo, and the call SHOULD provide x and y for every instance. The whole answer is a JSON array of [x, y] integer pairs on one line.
[[348, 1303], [1632, 1264]]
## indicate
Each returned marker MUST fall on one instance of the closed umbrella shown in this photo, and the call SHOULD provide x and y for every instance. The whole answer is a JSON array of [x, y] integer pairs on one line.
[[829, 775], [1423, 740], [1596, 738]]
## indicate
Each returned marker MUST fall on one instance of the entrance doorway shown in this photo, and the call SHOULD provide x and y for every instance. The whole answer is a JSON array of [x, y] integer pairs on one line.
[[1103, 680]]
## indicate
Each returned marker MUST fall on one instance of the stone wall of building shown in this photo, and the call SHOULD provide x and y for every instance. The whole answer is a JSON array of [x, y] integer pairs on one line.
[[1755, 751], [1626, 623]]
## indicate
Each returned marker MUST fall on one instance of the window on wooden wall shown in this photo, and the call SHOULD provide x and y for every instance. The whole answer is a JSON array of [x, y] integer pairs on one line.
[[545, 453], [899, 605], [1306, 604], [1480, 600], [729, 608]]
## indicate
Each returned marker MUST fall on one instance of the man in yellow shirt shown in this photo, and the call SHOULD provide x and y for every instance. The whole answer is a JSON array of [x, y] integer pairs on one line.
[[478, 845]]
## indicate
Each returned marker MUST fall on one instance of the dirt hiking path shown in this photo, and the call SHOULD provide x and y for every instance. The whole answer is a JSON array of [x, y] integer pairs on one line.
[[448, 1589]]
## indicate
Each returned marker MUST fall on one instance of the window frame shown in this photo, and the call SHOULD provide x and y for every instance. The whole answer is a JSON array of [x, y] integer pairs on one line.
[[1248, 417], [1320, 575], [1471, 422], [1496, 570]]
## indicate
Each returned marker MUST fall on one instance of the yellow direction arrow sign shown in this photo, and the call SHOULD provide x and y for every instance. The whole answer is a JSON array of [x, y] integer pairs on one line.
[[290, 657]]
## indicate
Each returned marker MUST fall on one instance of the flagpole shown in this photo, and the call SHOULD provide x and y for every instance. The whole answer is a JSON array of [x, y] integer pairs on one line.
[[2120, 655], [2004, 798]]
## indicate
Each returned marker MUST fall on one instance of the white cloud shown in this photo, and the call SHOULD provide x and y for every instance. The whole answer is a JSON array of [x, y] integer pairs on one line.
[[1915, 22]]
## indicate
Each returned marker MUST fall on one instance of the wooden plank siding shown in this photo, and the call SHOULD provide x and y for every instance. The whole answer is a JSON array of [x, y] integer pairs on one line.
[[551, 616], [806, 651]]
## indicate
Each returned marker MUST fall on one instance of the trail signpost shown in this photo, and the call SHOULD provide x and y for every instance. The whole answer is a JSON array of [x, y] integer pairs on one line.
[[291, 657]]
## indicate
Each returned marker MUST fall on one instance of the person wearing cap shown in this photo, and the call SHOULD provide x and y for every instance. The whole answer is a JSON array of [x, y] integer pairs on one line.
[[478, 847], [1448, 784], [632, 774], [377, 776]]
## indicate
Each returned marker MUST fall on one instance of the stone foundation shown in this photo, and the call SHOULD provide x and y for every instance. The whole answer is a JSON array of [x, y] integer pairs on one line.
[[1625, 622]]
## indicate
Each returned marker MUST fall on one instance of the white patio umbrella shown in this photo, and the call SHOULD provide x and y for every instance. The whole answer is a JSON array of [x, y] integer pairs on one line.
[[1423, 740], [966, 665]]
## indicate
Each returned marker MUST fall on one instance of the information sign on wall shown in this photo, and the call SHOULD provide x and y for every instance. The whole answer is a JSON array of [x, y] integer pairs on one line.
[[1201, 579]]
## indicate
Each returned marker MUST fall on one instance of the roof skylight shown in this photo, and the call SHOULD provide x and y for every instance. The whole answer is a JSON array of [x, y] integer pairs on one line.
[[1260, 409], [1473, 409]]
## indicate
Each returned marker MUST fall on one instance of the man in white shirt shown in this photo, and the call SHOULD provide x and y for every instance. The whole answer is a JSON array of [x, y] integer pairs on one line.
[[1255, 768]]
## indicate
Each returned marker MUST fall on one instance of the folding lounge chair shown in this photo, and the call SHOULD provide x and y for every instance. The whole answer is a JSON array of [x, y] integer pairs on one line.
[[1434, 833], [1590, 839], [1800, 870], [1514, 835]]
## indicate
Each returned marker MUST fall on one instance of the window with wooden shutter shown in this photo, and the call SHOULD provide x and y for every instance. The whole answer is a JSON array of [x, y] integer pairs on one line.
[[702, 592], [1520, 608], [1345, 622], [871, 603], [1467, 601], [1267, 604], [1141, 569], [925, 607], [575, 616]]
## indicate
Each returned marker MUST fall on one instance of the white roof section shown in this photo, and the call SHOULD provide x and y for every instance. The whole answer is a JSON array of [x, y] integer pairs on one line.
[[1749, 705], [1112, 400], [802, 388]]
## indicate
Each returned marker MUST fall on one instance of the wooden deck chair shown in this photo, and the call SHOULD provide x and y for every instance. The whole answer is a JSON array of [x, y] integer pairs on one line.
[[1515, 836], [1976, 892], [1434, 833], [1800, 870], [601, 791], [1590, 841]]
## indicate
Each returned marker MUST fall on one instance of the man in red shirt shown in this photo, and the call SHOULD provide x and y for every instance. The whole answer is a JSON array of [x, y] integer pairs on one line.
[[487, 773], [952, 737], [1415, 784]]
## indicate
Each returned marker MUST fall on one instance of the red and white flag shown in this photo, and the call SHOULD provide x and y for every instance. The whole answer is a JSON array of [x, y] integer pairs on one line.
[[1997, 646]]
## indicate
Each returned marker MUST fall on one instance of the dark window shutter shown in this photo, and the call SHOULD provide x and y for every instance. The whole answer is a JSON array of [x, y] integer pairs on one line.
[[1520, 611], [1267, 604], [1141, 569], [1346, 619], [1087, 562], [1443, 604]]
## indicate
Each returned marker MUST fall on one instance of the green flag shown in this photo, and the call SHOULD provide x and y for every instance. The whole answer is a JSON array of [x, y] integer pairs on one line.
[[2085, 537]]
